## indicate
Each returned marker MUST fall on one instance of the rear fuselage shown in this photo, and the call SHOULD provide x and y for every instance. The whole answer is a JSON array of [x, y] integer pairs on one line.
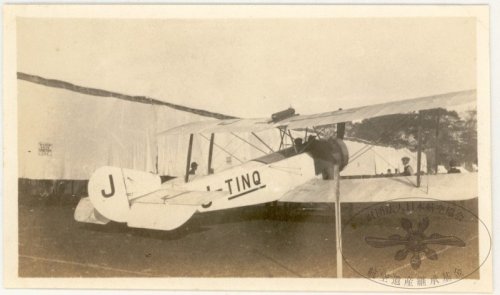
[[253, 182]]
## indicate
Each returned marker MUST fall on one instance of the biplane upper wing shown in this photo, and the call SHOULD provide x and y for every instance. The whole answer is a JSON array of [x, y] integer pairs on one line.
[[383, 109], [217, 126], [445, 187], [327, 118]]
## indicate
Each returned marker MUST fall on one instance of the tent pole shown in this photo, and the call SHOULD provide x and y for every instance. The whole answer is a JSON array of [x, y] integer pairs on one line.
[[419, 147], [436, 148], [210, 152], [188, 163], [156, 161]]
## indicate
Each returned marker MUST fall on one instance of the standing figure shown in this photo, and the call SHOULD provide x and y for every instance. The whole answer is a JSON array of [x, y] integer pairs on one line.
[[407, 170], [194, 166]]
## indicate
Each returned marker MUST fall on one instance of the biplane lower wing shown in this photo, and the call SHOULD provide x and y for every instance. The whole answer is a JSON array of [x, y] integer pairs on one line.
[[443, 187]]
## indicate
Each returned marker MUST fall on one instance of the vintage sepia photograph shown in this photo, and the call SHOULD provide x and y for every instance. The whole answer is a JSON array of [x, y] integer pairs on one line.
[[313, 148]]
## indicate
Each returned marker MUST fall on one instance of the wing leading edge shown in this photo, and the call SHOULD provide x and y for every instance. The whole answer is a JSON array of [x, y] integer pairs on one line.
[[383, 109], [304, 121]]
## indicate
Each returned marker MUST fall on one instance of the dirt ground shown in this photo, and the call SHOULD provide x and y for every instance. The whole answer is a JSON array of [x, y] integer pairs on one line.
[[244, 242], [256, 241]]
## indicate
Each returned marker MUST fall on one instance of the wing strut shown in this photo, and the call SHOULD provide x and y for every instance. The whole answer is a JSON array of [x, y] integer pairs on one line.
[[222, 149], [210, 152], [282, 135], [188, 164], [340, 130]]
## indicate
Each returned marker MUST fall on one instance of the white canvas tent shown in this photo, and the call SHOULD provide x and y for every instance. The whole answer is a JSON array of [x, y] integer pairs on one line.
[[377, 160], [67, 135]]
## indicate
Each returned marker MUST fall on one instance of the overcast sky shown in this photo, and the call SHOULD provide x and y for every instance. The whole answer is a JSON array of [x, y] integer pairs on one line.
[[254, 67]]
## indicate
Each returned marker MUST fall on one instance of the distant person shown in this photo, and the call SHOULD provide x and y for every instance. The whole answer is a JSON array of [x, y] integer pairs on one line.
[[389, 172], [407, 170], [453, 167], [194, 166], [298, 144]]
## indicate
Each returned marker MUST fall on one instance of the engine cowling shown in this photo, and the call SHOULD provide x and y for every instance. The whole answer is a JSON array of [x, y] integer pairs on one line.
[[326, 153], [339, 152]]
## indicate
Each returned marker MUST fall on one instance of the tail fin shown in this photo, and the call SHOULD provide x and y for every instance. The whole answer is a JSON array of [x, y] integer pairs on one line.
[[112, 188], [135, 197]]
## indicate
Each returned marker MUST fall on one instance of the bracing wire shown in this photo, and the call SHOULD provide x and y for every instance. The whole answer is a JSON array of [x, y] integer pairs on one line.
[[224, 150]]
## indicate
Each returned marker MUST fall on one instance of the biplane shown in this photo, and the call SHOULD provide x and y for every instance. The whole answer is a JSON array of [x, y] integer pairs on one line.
[[306, 172]]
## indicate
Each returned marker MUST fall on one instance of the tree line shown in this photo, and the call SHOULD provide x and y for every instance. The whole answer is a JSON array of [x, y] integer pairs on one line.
[[446, 135]]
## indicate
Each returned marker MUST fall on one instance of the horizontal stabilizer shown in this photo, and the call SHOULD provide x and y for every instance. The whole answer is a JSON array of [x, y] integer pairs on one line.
[[85, 212], [159, 216], [167, 209], [178, 197]]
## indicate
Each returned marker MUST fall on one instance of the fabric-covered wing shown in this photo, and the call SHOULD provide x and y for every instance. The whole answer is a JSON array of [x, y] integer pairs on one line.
[[167, 209], [218, 126], [177, 197], [347, 115], [443, 187], [390, 108]]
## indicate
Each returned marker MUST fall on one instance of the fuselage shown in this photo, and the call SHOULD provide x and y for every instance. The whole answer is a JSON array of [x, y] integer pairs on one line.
[[141, 200], [258, 181]]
